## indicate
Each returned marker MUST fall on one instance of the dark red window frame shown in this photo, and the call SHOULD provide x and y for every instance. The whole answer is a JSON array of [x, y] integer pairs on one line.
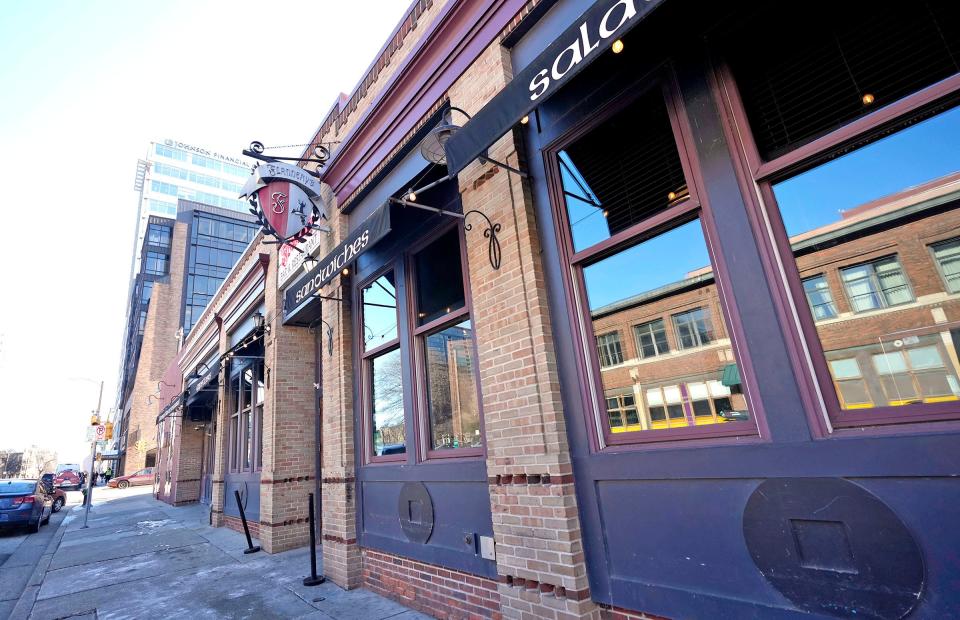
[[366, 370], [693, 207], [410, 342], [757, 179]]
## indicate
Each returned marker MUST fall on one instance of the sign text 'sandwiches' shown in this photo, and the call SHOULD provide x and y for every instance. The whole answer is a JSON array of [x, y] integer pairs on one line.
[[362, 238]]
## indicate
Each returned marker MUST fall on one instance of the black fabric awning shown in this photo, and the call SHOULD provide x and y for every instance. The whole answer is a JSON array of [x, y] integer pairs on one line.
[[361, 239], [581, 43], [200, 404]]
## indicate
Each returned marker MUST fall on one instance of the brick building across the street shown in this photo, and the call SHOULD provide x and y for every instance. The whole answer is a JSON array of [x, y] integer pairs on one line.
[[680, 342]]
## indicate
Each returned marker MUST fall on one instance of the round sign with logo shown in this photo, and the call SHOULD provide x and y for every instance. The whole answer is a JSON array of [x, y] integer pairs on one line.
[[287, 200]]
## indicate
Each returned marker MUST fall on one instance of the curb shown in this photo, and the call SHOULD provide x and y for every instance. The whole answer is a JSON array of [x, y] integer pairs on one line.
[[24, 606]]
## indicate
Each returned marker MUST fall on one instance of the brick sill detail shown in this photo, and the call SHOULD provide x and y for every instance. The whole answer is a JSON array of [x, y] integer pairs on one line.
[[505, 479], [544, 588]]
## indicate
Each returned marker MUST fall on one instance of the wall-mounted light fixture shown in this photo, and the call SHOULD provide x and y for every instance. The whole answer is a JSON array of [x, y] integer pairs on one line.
[[260, 323]]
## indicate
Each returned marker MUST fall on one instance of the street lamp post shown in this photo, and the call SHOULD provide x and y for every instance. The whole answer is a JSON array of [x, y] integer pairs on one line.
[[93, 452]]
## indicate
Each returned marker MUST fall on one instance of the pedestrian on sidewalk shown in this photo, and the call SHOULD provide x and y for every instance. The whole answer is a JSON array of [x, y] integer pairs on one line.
[[107, 474]]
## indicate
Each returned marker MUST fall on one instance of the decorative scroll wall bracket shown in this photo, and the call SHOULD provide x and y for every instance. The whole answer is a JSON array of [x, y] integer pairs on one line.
[[494, 253], [321, 154]]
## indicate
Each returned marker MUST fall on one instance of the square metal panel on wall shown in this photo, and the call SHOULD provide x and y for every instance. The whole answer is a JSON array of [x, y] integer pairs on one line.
[[452, 510]]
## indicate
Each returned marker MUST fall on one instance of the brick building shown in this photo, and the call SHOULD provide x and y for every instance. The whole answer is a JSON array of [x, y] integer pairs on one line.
[[182, 262], [661, 322]]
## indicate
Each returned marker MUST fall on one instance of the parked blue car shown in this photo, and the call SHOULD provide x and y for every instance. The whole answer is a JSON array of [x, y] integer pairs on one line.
[[25, 503]]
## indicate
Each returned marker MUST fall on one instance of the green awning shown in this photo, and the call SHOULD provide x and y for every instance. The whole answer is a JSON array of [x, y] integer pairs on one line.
[[730, 375]]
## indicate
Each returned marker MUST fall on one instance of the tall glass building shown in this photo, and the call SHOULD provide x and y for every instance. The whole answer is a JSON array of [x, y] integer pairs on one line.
[[191, 228], [211, 241], [175, 170]]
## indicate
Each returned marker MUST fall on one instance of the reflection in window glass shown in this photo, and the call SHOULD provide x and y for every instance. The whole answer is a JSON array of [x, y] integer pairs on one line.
[[694, 328], [621, 172], [379, 312], [386, 404], [819, 298], [640, 289], [947, 255], [439, 278], [609, 350], [652, 339], [451, 388], [876, 285], [895, 323]]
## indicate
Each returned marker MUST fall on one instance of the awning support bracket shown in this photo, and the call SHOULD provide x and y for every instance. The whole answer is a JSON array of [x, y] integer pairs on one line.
[[494, 252]]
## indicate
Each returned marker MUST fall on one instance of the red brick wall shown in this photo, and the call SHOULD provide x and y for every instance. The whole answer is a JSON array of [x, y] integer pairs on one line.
[[437, 591], [235, 524]]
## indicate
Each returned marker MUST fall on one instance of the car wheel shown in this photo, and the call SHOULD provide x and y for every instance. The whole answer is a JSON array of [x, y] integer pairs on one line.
[[123, 484], [58, 504], [34, 528]]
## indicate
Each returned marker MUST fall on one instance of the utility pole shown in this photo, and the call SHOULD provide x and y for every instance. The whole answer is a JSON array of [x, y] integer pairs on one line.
[[93, 461]]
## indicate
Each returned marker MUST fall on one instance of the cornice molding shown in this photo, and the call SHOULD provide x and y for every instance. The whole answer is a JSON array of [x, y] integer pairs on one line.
[[456, 37]]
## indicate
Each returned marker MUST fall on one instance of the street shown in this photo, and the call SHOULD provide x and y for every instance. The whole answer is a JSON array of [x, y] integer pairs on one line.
[[21, 552], [140, 557]]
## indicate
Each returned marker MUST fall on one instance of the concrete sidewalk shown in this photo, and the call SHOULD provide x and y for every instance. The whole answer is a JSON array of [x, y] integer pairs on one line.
[[141, 558]]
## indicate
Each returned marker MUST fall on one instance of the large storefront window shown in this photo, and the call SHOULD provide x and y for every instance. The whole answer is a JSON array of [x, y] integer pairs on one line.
[[245, 434], [894, 344], [871, 218], [440, 356], [381, 346], [638, 247], [445, 339]]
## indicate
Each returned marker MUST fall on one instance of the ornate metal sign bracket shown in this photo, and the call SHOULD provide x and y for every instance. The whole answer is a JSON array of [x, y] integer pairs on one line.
[[321, 154], [494, 253]]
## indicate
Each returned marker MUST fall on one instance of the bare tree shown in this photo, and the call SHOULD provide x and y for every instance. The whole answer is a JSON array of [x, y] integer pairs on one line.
[[11, 462], [38, 461]]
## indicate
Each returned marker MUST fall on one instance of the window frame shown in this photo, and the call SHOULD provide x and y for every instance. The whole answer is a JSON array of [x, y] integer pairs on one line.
[[757, 176], [366, 369], [244, 416], [692, 207], [417, 343], [637, 334], [939, 266]]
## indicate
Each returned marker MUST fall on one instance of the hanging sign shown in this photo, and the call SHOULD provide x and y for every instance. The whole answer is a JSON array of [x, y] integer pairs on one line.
[[581, 43], [374, 228], [287, 200]]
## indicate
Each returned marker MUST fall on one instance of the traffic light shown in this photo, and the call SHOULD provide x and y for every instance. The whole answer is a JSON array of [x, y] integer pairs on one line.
[[108, 428], [99, 456], [94, 420]]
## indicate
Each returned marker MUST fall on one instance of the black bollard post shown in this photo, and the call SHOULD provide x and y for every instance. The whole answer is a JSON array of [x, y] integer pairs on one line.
[[313, 579], [246, 530]]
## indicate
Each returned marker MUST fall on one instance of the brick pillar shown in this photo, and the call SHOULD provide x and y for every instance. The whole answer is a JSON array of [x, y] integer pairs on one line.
[[342, 562], [540, 556], [289, 418], [222, 417], [188, 453]]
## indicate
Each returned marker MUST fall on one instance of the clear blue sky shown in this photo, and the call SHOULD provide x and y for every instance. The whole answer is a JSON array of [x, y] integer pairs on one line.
[[913, 156], [85, 87]]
